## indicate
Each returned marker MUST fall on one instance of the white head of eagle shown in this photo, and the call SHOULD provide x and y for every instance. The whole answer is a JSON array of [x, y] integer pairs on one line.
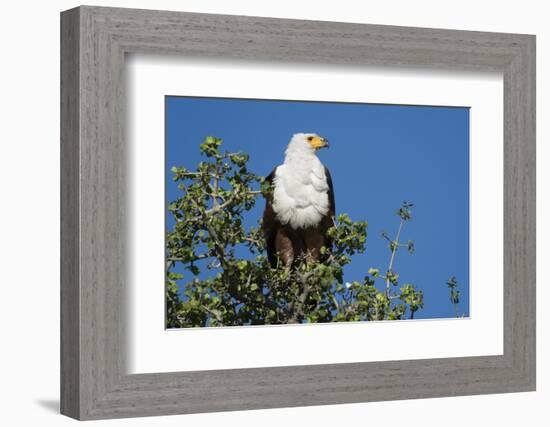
[[301, 207]]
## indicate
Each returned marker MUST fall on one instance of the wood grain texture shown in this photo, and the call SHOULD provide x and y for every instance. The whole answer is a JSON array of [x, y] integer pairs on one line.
[[94, 273], [70, 292]]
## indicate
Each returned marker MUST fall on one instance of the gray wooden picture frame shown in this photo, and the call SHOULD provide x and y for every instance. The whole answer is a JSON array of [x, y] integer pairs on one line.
[[94, 382]]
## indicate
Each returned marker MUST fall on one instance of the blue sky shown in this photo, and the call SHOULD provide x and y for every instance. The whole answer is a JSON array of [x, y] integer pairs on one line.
[[379, 156]]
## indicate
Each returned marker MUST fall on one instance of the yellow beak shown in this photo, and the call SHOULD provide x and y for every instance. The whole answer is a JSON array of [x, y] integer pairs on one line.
[[318, 142]]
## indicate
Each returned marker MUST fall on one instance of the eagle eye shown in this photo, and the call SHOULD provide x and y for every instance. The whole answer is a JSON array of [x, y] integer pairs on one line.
[[310, 138]]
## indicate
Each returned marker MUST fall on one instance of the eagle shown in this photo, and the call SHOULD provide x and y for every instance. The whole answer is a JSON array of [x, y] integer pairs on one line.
[[300, 208]]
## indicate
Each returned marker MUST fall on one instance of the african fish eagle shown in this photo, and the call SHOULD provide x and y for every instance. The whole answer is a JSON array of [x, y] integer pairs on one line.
[[300, 209]]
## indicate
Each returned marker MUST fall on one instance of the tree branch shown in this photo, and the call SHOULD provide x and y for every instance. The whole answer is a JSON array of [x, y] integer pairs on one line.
[[394, 250]]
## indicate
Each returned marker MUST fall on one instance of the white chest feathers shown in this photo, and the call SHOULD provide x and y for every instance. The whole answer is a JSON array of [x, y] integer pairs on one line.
[[300, 196]]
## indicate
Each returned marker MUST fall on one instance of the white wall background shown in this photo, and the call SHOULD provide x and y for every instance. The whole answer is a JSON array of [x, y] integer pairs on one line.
[[29, 213]]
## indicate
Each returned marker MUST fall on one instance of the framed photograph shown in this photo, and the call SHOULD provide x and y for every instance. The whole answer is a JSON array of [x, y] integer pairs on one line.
[[261, 213]]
